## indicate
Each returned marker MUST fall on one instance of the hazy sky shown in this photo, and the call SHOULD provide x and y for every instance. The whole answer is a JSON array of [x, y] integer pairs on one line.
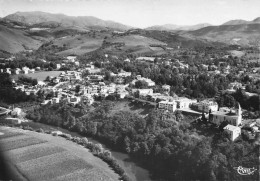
[[143, 13]]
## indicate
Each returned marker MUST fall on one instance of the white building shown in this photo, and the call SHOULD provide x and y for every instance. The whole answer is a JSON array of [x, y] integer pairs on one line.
[[233, 131], [77, 63], [71, 58], [167, 105], [233, 117], [206, 106], [74, 100], [123, 73], [58, 66], [184, 103], [25, 70]]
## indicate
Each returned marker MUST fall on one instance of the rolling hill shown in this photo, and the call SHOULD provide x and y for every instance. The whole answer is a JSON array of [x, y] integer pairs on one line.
[[15, 40], [37, 17], [243, 34], [171, 27], [242, 22]]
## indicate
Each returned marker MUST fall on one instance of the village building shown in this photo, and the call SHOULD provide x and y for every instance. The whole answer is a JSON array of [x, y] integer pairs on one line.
[[233, 117], [167, 105], [206, 106], [233, 131]]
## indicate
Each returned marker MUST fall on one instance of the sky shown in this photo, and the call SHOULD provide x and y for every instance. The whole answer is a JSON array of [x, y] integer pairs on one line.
[[143, 13]]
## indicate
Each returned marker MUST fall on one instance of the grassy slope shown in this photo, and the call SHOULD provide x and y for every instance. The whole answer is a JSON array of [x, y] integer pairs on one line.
[[226, 33], [135, 44], [13, 40], [60, 160], [79, 44], [40, 76]]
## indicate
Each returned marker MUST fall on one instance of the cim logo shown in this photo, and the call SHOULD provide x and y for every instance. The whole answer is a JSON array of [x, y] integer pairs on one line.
[[245, 171]]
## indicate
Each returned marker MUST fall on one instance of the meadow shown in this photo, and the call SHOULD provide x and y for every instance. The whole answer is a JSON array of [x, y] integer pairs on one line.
[[40, 76]]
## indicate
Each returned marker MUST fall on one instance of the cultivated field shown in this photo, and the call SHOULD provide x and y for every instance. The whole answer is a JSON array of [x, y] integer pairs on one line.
[[40, 76], [38, 156]]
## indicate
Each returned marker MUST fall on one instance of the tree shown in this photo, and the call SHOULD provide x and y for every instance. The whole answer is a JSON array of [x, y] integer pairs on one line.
[[77, 88]]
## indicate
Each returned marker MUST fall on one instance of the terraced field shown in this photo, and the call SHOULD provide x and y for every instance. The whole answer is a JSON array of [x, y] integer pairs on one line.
[[36, 156]]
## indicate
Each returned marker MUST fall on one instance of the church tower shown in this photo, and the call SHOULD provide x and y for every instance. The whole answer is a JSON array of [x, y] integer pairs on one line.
[[239, 114]]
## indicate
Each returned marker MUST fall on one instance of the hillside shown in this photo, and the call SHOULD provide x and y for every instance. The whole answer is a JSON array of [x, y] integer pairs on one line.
[[176, 39], [242, 22], [37, 156], [15, 40], [232, 34], [36, 17], [137, 44], [171, 27]]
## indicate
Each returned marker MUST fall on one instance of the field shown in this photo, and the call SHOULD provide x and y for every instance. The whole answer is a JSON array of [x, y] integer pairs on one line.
[[237, 53], [37, 156], [40, 76], [78, 44], [134, 44]]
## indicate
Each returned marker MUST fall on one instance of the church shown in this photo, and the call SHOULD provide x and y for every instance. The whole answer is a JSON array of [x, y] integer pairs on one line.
[[232, 116]]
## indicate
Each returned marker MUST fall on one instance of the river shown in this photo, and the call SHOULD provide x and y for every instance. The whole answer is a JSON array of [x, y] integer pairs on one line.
[[133, 170]]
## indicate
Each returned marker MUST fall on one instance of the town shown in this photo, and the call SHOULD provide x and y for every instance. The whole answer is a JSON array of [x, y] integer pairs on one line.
[[87, 83]]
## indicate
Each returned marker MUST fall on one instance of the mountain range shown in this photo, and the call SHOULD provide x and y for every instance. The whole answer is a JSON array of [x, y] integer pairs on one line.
[[37, 17], [83, 34], [240, 22]]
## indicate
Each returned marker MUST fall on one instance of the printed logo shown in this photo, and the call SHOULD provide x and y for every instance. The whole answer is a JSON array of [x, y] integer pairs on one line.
[[245, 171]]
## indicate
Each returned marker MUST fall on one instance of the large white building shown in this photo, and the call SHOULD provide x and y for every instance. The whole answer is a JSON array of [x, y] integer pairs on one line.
[[233, 131], [167, 105], [233, 117], [206, 106], [184, 103]]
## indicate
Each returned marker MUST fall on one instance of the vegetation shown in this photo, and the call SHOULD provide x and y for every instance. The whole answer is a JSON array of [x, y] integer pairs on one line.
[[176, 149], [10, 95]]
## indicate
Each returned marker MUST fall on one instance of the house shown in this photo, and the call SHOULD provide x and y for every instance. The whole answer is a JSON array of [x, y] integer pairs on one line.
[[16, 112], [89, 66], [127, 60], [206, 106], [234, 85], [168, 105], [58, 66], [57, 80], [41, 83], [71, 58], [8, 70], [123, 73], [46, 102], [184, 103], [55, 100], [74, 100], [149, 82], [233, 117], [25, 70], [76, 63], [31, 70], [17, 71], [148, 59], [233, 131]]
